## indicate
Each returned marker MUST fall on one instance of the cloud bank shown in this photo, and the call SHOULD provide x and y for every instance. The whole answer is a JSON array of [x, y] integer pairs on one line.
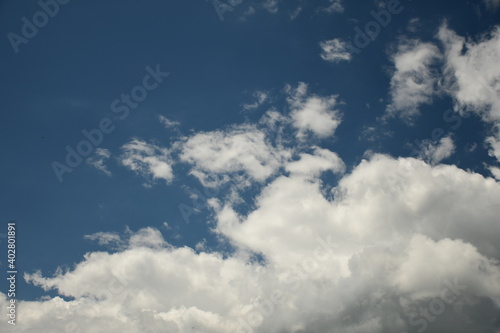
[[389, 246]]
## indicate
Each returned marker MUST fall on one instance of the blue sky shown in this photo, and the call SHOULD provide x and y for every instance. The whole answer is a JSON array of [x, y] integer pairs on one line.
[[257, 95]]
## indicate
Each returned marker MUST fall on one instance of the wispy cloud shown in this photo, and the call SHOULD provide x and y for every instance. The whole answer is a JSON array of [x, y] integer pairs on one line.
[[271, 6], [167, 122], [260, 97], [434, 153], [335, 50], [98, 160], [148, 160], [335, 6]]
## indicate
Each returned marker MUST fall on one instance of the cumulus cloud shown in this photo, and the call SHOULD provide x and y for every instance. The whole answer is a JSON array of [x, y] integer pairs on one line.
[[335, 50], [98, 160], [366, 198], [241, 149], [312, 113], [454, 258], [392, 237], [148, 160], [413, 82], [435, 153]]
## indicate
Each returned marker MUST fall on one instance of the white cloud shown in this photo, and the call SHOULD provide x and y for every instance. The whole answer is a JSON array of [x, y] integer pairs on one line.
[[105, 238], [335, 50], [311, 113], [335, 7], [435, 153], [383, 201], [274, 121], [168, 123], [391, 237], [471, 69], [494, 144], [147, 237], [313, 165], [98, 160], [413, 82], [147, 160], [447, 258], [260, 97], [271, 6], [243, 148], [414, 25], [495, 171]]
